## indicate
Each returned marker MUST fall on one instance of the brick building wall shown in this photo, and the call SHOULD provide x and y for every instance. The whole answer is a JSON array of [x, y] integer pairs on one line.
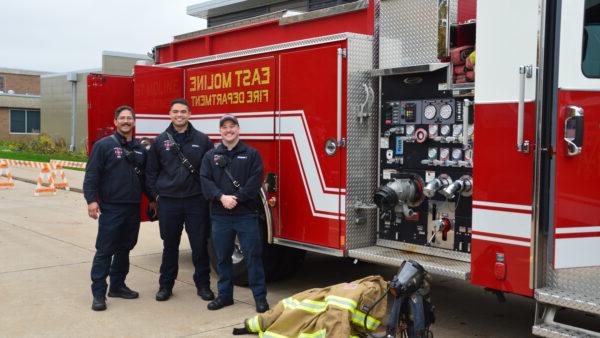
[[19, 90], [21, 83]]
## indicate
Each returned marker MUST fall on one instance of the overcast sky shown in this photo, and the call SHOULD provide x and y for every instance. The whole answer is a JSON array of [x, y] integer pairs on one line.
[[65, 35]]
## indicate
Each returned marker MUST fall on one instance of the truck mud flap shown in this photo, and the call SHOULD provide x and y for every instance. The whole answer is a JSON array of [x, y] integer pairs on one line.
[[435, 265]]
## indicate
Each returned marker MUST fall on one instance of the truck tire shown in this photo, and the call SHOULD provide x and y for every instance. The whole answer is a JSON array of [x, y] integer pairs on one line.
[[278, 262]]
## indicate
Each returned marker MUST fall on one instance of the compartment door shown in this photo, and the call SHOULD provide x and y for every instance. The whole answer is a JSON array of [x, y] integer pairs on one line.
[[310, 186], [104, 94], [576, 213], [154, 88]]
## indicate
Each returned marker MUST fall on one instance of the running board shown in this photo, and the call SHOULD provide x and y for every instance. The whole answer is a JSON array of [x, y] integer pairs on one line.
[[568, 299], [558, 330], [436, 265]]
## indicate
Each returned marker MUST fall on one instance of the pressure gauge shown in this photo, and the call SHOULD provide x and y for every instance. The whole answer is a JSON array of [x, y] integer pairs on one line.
[[444, 154], [445, 130], [429, 112], [457, 154], [457, 130], [433, 130], [446, 111], [410, 130], [432, 153], [468, 154]]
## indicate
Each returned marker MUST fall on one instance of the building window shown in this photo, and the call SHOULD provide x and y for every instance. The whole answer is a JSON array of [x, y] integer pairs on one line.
[[590, 63], [24, 121], [1, 83]]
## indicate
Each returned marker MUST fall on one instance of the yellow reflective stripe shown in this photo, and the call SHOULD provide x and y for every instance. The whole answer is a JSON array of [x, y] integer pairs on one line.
[[343, 300], [254, 325], [269, 334], [359, 318], [314, 306], [351, 336], [319, 334]]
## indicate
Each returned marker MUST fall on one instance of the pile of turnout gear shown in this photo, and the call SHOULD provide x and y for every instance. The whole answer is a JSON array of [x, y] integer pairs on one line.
[[341, 310]]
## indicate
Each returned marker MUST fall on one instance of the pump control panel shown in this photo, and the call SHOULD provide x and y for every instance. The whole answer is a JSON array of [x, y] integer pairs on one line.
[[425, 184]]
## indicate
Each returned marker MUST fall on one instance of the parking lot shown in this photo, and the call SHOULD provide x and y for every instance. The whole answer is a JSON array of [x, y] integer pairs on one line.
[[46, 248]]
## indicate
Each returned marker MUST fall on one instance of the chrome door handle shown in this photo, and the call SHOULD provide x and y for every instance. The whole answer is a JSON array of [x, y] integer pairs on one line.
[[574, 130], [524, 72]]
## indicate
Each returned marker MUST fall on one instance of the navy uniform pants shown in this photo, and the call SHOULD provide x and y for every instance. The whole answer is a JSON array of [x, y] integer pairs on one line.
[[224, 230], [118, 228], [173, 214]]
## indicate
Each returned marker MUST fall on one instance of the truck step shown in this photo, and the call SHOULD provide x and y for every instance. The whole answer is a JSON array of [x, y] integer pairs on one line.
[[572, 300], [557, 330], [394, 257]]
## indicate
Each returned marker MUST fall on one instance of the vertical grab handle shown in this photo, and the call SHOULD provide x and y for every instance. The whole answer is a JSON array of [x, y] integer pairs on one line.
[[341, 54], [524, 72], [574, 130]]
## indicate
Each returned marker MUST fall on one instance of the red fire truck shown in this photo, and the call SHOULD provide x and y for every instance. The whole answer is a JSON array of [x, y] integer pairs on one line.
[[463, 135]]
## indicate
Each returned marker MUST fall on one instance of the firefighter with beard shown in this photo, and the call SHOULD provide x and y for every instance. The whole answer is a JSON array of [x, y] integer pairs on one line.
[[231, 179], [112, 187], [173, 181]]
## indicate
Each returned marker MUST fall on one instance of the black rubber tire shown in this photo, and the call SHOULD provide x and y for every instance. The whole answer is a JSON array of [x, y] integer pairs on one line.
[[278, 262]]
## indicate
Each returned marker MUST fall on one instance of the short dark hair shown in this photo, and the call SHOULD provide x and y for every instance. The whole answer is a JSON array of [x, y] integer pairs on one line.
[[121, 108], [180, 101]]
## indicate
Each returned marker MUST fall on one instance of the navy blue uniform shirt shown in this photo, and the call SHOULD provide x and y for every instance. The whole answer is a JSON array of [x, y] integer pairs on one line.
[[165, 175], [245, 166], [109, 176]]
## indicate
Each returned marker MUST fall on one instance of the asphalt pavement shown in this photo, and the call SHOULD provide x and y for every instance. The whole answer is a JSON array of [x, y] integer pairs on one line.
[[46, 248]]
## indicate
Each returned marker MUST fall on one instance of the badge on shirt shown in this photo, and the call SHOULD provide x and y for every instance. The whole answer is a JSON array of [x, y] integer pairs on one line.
[[242, 157], [167, 144], [220, 161], [118, 152]]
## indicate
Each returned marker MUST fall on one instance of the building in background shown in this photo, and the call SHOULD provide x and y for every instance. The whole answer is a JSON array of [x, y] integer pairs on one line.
[[56, 96], [19, 103]]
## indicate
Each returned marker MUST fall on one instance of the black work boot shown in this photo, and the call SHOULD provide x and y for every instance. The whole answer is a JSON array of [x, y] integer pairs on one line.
[[123, 292], [206, 293], [262, 306], [99, 303], [163, 294], [219, 303]]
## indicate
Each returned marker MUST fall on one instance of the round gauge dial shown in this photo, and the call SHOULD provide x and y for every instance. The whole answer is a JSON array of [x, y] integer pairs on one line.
[[457, 154], [429, 112], [444, 153], [446, 111], [432, 153], [433, 129], [457, 130], [410, 129], [445, 130]]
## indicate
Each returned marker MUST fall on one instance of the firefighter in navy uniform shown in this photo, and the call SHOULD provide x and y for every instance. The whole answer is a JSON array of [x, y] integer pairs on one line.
[[231, 179], [173, 181], [112, 187]]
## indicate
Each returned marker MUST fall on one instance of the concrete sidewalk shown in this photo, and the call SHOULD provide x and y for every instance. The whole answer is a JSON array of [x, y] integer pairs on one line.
[[46, 248], [30, 175]]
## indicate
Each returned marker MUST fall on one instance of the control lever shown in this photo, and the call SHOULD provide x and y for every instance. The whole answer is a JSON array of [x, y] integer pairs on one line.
[[443, 225]]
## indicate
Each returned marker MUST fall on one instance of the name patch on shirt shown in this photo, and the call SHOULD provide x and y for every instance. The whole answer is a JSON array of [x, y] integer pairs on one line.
[[118, 152], [242, 157], [195, 146], [138, 152]]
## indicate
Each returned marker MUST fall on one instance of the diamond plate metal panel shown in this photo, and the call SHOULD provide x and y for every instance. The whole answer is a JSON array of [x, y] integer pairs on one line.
[[361, 155], [426, 250], [555, 330], [408, 32], [435, 265], [584, 302], [576, 281]]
